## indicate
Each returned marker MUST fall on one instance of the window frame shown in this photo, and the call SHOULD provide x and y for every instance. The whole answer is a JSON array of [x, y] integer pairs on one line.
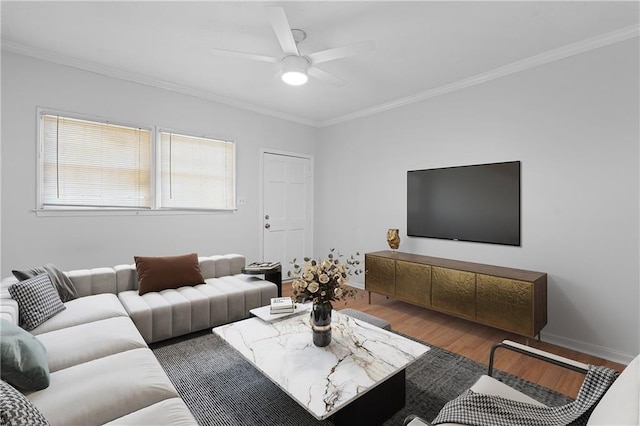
[[155, 170]]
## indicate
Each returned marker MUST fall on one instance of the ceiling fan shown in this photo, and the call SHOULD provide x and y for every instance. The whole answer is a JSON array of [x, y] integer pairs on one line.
[[296, 67]]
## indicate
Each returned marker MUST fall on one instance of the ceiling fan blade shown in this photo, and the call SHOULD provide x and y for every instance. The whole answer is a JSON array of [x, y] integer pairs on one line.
[[281, 27], [341, 52], [242, 55], [325, 76]]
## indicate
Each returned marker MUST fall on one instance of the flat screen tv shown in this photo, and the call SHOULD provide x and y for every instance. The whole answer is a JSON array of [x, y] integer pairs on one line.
[[479, 203]]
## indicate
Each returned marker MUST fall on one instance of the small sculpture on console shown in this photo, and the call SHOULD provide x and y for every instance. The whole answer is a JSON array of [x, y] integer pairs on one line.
[[393, 238]]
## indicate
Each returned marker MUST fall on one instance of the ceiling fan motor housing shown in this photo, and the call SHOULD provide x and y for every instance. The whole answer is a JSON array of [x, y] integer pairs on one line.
[[294, 70], [295, 63]]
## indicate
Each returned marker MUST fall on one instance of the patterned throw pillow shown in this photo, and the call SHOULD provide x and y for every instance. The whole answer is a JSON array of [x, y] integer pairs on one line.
[[17, 410], [37, 301]]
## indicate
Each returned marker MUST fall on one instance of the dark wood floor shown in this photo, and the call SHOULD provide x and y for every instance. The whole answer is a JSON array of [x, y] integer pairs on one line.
[[472, 340]]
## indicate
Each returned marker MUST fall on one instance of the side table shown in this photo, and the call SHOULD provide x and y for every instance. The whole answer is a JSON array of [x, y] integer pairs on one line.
[[273, 275]]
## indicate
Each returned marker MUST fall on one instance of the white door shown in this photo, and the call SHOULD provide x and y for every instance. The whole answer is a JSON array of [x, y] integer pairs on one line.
[[287, 207]]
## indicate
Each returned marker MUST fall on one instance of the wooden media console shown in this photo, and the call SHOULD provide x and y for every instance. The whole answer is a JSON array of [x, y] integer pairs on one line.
[[510, 299]]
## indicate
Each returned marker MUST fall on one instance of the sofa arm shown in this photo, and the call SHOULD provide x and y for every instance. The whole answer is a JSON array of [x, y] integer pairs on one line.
[[8, 306], [9, 310], [538, 354]]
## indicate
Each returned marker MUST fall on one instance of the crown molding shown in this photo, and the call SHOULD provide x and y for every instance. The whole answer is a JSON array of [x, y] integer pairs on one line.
[[525, 64], [85, 65]]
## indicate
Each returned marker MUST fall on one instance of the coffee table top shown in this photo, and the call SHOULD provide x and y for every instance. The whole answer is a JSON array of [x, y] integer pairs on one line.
[[322, 380], [264, 312]]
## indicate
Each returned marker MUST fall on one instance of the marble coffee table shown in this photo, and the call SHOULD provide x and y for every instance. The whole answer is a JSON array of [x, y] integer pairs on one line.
[[358, 379]]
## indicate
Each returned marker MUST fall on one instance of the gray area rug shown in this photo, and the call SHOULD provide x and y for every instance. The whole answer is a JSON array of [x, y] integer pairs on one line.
[[221, 388]]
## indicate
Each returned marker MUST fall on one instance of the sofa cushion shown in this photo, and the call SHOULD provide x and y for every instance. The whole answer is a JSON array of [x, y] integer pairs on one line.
[[37, 300], [174, 312], [490, 386], [23, 359], [161, 273], [85, 342], [219, 266], [169, 313], [84, 310], [17, 410], [104, 389], [93, 281], [170, 412], [63, 285]]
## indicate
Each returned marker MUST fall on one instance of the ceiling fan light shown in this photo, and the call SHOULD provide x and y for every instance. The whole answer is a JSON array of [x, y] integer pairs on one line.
[[295, 78], [294, 70]]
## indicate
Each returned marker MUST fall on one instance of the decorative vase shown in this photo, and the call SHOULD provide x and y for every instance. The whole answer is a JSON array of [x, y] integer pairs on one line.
[[393, 238], [321, 323]]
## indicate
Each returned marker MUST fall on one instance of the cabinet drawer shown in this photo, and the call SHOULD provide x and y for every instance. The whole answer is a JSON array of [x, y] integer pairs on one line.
[[506, 303], [413, 282], [454, 291], [380, 275]]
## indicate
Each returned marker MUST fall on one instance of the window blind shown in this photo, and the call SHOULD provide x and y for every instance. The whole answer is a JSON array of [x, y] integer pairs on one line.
[[196, 172], [93, 164]]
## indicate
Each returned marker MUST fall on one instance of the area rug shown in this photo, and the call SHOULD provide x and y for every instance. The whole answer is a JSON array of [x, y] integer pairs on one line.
[[221, 388]]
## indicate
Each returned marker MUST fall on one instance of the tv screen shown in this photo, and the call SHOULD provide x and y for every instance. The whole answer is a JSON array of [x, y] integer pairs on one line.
[[479, 203]]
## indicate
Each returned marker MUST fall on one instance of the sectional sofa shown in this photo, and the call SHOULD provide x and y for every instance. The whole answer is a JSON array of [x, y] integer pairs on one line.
[[101, 369]]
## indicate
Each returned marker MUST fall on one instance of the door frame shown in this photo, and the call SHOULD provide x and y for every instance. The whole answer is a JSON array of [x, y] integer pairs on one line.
[[309, 157]]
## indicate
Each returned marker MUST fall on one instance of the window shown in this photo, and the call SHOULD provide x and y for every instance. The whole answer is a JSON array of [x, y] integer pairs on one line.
[[92, 164], [196, 172], [97, 165]]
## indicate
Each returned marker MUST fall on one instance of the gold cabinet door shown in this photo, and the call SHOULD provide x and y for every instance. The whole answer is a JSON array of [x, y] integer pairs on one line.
[[454, 291], [506, 304], [413, 282], [380, 275]]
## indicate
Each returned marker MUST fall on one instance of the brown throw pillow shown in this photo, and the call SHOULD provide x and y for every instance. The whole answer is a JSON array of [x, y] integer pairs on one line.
[[161, 273]]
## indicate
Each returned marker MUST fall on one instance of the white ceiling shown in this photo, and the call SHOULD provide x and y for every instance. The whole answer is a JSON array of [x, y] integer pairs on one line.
[[422, 47]]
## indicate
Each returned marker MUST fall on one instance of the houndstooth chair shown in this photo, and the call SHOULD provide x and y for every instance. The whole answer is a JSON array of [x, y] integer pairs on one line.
[[620, 404]]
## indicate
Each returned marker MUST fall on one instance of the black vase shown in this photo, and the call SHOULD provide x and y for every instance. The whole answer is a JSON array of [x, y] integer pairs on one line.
[[321, 323]]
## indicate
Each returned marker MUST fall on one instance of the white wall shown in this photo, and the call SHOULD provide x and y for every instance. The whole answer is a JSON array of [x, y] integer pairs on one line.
[[574, 125], [89, 241]]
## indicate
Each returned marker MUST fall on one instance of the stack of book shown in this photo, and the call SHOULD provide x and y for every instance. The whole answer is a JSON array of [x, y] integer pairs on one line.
[[261, 266], [282, 305]]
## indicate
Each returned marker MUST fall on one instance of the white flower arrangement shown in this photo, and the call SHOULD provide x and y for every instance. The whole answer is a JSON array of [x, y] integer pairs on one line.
[[324, 280]]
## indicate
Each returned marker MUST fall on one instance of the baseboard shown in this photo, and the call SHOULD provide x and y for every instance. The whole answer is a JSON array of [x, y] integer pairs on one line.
[[359, 286], [588, 348]]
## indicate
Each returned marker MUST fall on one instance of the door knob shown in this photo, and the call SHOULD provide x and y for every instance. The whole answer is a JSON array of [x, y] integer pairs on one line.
[[267, 226]]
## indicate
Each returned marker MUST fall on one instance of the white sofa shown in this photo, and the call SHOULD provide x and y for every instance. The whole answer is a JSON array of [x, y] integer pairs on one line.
[[101, 369], [226, 296]]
